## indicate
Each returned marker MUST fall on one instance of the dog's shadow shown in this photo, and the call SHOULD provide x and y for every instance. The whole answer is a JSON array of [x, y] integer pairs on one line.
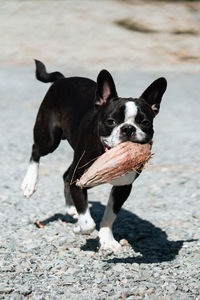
[[149, 241], [64, 218]]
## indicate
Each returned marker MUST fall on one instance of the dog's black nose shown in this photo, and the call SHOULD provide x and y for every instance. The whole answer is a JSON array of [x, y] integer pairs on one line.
[[128, 130]]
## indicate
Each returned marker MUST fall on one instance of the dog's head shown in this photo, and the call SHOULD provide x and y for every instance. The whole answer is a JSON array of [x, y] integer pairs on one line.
[[126, 119]]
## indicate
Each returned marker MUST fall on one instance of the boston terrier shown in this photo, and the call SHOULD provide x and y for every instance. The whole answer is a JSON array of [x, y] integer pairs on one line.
[[93, 118]]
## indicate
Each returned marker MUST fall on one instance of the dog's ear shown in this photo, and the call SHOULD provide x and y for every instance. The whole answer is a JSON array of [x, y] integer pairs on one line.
[[105, 88], [153, 94]]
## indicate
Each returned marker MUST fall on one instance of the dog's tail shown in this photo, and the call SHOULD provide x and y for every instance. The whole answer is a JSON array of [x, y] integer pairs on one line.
[[42, 75]]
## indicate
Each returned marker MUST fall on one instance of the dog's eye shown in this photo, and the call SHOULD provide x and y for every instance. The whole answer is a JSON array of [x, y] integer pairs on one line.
[[145, 123], [110, 122]]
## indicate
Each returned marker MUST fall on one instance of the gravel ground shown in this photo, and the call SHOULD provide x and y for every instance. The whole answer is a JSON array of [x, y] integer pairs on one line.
[[160, 221]]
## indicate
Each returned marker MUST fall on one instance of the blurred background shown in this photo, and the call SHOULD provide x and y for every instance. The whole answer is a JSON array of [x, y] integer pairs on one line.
[[91, 35]]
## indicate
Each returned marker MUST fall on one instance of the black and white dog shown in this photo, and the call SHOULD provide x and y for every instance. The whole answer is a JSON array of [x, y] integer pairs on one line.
[[93, 119]]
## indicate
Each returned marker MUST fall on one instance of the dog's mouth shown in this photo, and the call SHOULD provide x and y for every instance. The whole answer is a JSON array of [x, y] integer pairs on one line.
[[106, 147]]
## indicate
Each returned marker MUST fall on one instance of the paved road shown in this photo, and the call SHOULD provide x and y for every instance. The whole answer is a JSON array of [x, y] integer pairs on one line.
[[160, 220]]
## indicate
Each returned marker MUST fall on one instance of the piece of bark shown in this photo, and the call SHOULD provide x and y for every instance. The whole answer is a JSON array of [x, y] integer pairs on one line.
[[120, 160]]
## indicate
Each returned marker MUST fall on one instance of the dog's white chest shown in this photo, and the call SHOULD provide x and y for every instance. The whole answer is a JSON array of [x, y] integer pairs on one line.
[[125, 179]]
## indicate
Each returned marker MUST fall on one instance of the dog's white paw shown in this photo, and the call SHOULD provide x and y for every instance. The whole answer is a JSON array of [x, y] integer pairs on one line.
[[75, 216], [85, 230], [28, 189], [85, 223], [28, 185], [107, 241], [71, 210], [111, 245]]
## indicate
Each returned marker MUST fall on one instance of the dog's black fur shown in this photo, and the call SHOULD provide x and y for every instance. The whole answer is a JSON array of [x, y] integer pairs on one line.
[[87, 114]]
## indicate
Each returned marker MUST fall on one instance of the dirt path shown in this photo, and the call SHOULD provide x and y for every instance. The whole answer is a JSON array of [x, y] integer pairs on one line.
[[85, 34]]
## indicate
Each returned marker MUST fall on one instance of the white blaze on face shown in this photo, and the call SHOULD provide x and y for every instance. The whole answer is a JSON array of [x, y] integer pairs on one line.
[[130, 113]]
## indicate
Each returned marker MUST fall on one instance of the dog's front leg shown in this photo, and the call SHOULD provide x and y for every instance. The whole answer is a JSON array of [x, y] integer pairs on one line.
[[71, 209], [85, 222], [118, 196]]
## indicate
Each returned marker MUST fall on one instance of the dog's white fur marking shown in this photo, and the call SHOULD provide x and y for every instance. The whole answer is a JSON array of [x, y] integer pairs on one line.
[[106, 237], [28, 185], [125, 179], [107, 240], [71, 209], [85, 223], [113, 139], [130, 114]]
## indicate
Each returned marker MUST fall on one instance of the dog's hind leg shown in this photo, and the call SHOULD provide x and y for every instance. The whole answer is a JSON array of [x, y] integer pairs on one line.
[[28, 185], [47, 136]]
